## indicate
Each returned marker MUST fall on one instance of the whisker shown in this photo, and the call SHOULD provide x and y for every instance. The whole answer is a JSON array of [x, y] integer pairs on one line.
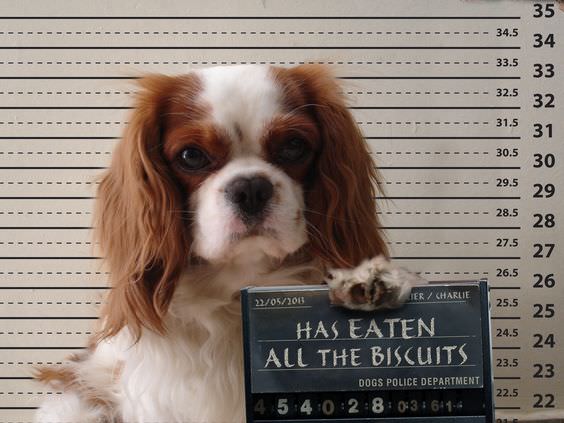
[[318, 232]]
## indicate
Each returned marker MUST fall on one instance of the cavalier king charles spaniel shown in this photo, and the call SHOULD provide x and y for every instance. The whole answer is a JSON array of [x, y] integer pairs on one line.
[[225, 177]]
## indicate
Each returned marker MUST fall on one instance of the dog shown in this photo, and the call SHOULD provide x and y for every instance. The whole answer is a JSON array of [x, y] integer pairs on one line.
[[225, 177]]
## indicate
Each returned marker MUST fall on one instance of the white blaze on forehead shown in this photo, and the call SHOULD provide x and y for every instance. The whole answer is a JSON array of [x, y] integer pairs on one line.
[[243, 98]]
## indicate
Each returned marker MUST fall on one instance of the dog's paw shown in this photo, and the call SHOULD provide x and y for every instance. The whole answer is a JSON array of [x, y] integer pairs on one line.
[[374, 284]]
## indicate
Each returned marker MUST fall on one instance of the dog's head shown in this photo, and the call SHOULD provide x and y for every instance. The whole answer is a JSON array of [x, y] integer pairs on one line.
[[229, 163]]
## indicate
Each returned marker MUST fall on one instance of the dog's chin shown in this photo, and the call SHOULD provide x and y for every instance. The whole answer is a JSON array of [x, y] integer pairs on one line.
[[254, 244], [254, 247]]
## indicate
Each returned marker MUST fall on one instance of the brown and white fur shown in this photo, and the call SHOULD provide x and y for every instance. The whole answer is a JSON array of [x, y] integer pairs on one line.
[[225, 177]]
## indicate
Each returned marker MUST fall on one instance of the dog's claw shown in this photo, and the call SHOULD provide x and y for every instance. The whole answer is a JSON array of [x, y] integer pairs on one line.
[[374, 284]]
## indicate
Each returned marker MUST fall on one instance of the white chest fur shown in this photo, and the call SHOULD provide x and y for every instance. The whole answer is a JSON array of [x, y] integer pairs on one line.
[[194, 374]]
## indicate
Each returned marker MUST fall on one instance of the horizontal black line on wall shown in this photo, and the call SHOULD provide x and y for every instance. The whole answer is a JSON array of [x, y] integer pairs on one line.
[[432, 107], [46, 227], [450, 227], [377, 198], [69, 77], [350, 108], [505, 287], [447, 198], [47, 318], [506, 318], [453, 258], [381, 227], [52, 167], [342, 77], [260, 48], [429, 77], [65, 108], [340, 18], [378, 167], [60, 138], [42, 348], [506, 348], [109, 287], [54, 287], [443, 138], [367, 138], [46, 198], [50, 258], [448, 167]]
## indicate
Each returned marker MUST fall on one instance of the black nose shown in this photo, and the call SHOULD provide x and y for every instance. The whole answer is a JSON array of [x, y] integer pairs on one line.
[[250, 195]]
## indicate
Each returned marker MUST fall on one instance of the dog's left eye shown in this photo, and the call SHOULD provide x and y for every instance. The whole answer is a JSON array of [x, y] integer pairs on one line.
[[193, 158], [292, 151]]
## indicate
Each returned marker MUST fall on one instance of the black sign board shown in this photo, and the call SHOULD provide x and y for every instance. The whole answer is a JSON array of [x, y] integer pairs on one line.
[[428, 361]]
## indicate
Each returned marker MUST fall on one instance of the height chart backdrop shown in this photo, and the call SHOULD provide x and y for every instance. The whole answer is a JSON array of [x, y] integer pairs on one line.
[[460, 101]]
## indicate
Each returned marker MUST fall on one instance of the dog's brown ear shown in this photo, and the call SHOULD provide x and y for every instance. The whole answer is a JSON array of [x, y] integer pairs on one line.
[[138, 220], [340, 202]]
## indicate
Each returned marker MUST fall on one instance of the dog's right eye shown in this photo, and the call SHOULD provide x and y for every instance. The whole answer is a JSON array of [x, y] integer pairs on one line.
[[292, 151], [193, 158]]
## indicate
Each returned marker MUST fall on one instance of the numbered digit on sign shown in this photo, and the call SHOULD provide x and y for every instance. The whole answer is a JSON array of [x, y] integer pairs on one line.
[[328, 407], [379, 405], [284, 406], [354, 405], [434, 403], [262, 407], [412, 404], [453, 404], [400, 403], [307, 406]]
